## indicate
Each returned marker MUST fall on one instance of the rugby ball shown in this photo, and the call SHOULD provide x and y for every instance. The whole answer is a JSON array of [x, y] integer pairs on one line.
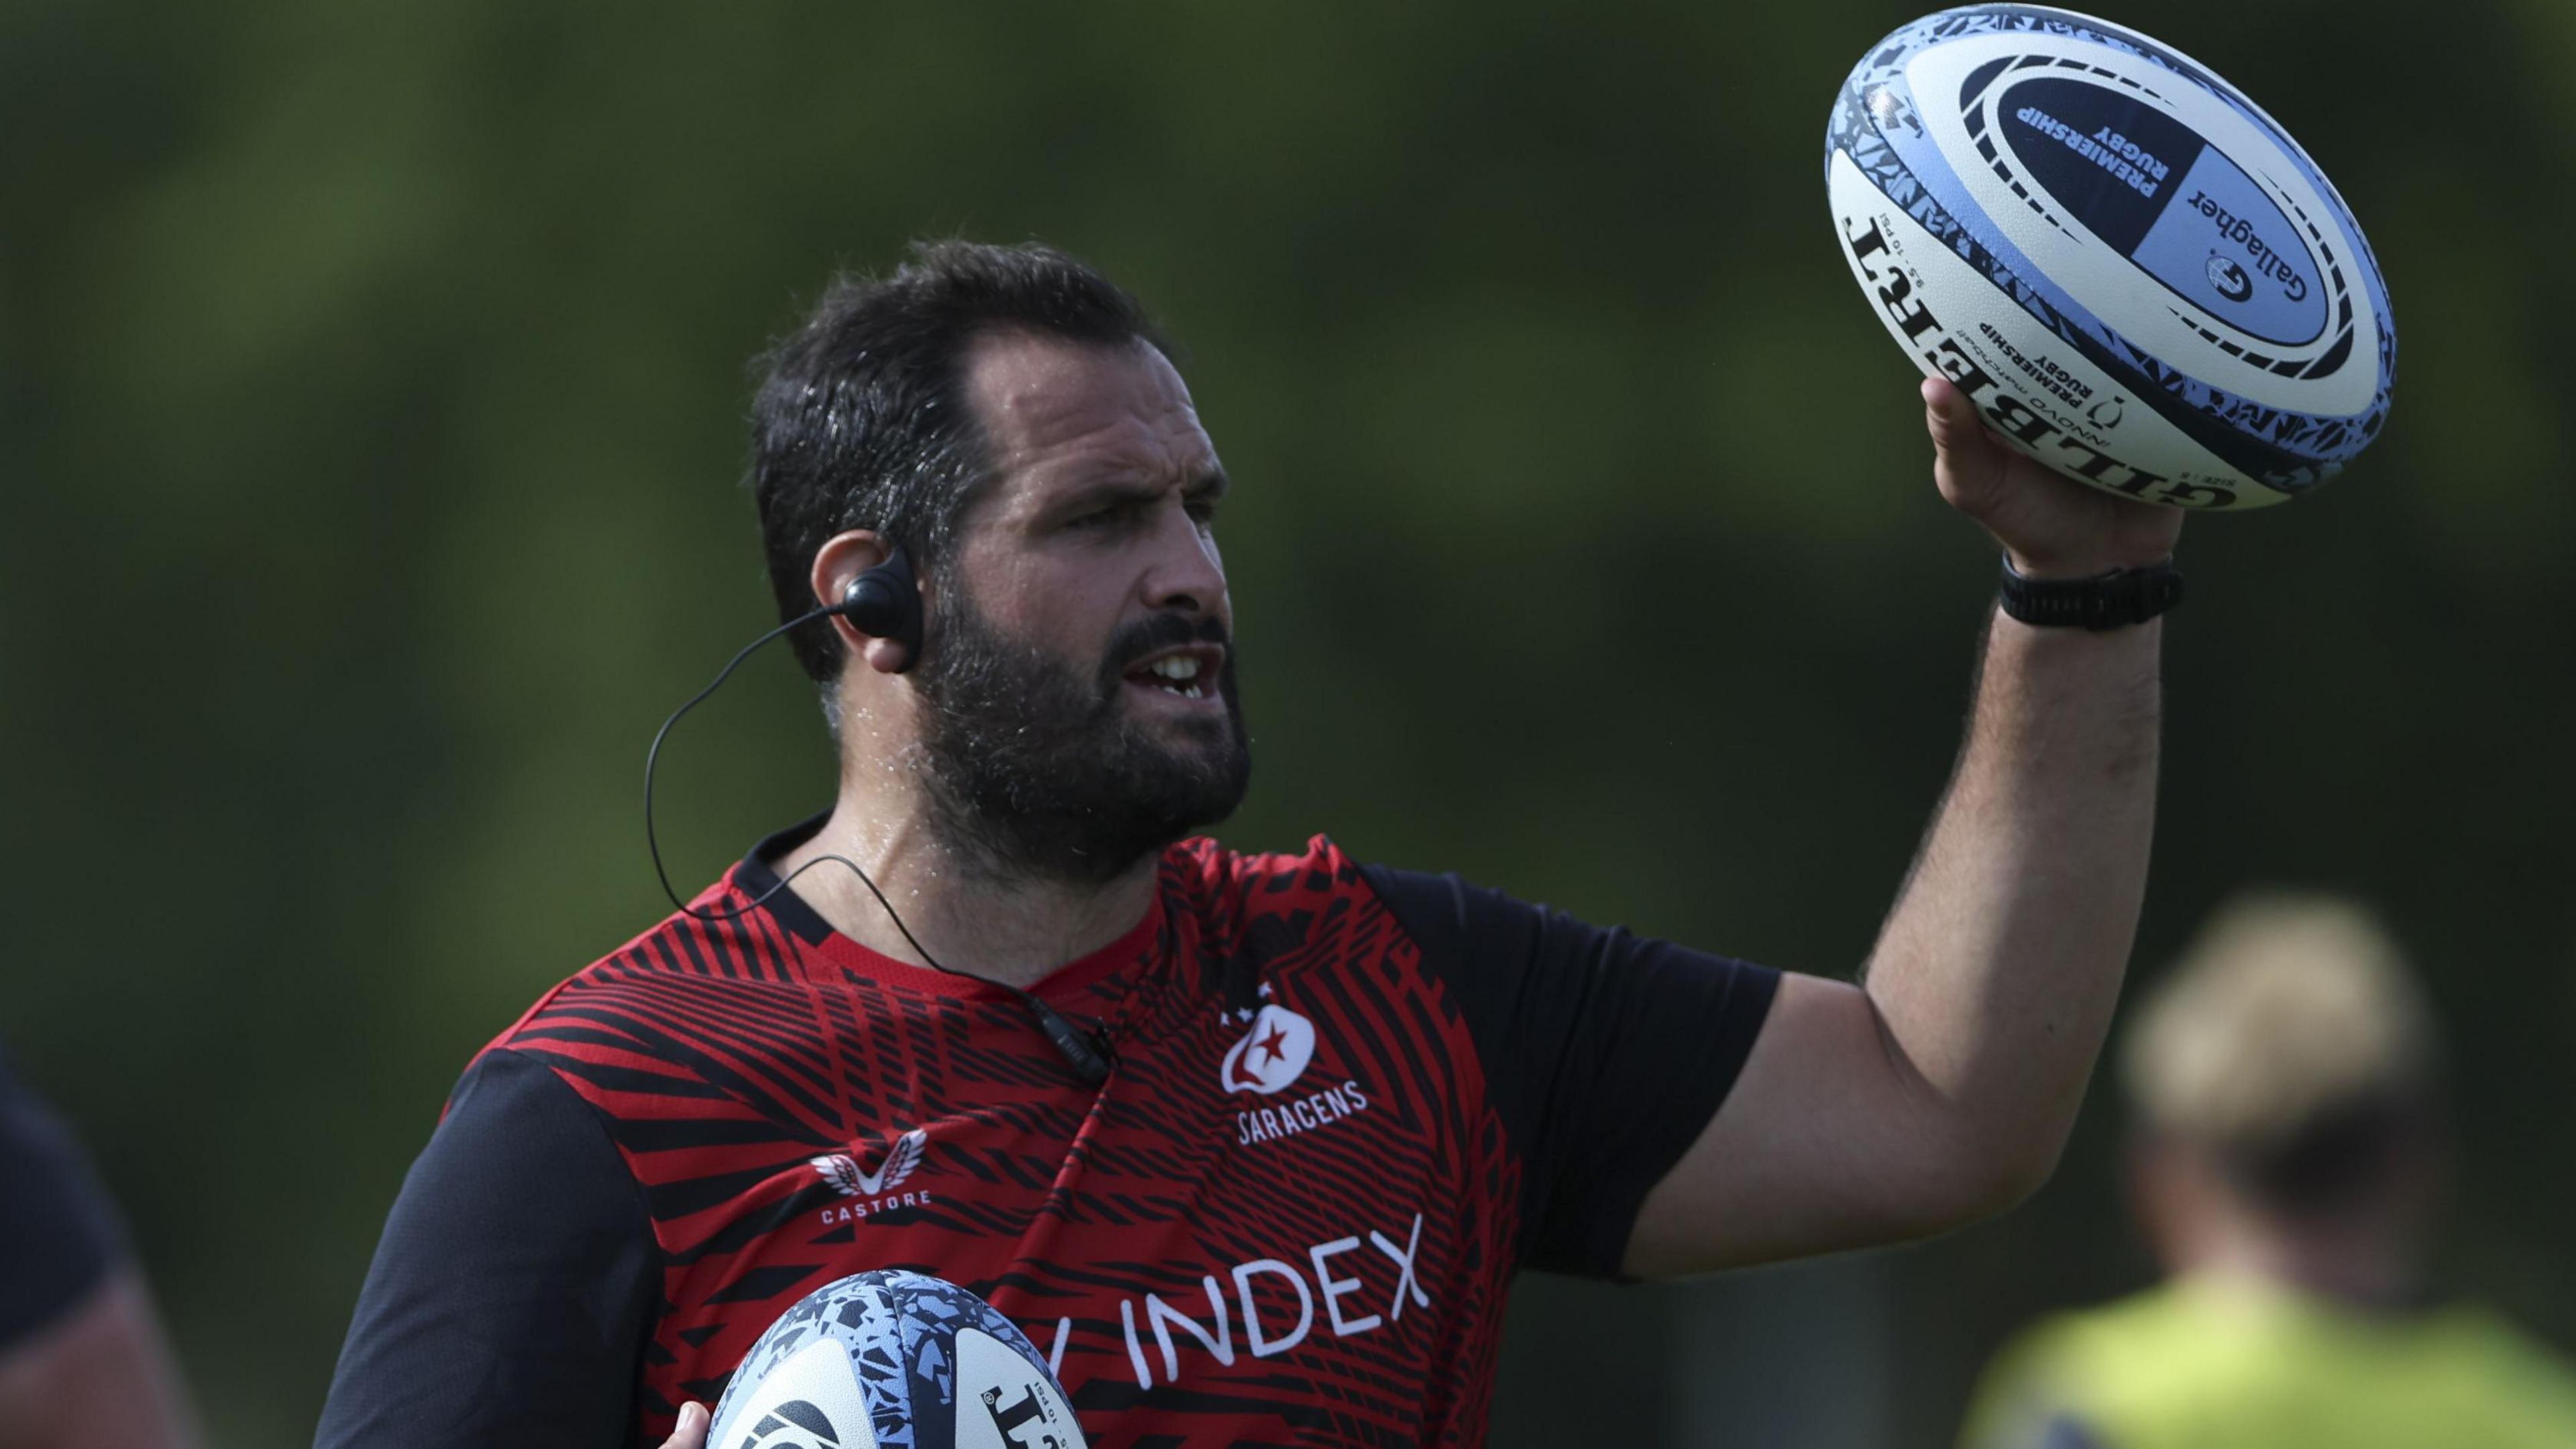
[[2136, 274], [897, 1360]]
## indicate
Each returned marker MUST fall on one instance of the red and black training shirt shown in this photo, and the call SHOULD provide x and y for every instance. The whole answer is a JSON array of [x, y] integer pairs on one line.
[[1348, 1104]]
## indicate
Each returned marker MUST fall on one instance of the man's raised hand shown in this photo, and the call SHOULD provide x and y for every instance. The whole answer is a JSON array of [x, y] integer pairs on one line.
[[2051, 527]]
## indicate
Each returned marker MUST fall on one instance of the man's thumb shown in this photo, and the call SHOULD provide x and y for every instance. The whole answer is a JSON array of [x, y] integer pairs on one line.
[[691, 1432]]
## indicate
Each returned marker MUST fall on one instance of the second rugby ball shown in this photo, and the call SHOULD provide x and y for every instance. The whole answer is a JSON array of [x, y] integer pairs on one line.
[[890, 1359]]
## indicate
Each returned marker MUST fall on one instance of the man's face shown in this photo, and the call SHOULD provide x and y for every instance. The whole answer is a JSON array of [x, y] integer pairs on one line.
[[1079, 668]]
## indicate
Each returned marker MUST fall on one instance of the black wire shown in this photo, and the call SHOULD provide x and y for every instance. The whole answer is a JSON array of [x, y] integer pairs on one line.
[[1050, 1021], [653, 756]]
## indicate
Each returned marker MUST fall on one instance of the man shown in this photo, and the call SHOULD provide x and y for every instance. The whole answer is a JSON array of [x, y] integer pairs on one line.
[[82, 1359], [1348, 1102], [2286, 1162]]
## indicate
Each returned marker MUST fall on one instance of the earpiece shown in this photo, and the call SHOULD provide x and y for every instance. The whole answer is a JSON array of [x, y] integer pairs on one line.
[[885, 601]]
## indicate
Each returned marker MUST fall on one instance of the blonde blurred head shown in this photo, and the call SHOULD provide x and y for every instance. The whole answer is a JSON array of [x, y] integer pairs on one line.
[[2283, 1076]]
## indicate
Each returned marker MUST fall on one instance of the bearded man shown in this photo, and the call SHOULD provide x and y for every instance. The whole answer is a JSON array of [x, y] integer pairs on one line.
[[1331, 1108]]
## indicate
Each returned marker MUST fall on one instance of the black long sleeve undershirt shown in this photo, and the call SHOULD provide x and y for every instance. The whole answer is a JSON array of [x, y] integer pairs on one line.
[[512, 1291]]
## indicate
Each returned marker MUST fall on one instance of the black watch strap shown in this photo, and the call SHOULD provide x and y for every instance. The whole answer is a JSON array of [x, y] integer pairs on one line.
[[2104, 601]]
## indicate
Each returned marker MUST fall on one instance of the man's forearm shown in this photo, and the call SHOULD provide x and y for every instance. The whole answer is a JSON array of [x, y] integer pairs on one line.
[[1941, 1089], [1998, 968]]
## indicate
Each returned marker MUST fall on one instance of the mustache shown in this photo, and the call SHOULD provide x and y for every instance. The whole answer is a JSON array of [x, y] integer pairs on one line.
[[1135, 640]]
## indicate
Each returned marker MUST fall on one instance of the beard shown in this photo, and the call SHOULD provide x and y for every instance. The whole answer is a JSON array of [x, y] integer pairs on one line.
[[1036, 768]]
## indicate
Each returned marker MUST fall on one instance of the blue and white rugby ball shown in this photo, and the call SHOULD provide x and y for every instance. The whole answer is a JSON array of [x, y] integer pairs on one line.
[[893, 1360], [2137, 275]]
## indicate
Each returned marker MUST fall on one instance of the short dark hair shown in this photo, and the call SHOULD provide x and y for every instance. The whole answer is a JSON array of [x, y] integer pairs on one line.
[[863, 421]]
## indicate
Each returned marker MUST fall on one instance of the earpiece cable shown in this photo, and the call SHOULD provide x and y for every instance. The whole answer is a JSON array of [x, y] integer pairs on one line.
[[1089, 1053], [653, 756]]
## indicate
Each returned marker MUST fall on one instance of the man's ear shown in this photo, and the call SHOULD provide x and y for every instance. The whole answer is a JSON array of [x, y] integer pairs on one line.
[[841, 559]]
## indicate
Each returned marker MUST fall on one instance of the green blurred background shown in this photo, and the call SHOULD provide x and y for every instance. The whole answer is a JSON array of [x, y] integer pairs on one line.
[[371, 396]]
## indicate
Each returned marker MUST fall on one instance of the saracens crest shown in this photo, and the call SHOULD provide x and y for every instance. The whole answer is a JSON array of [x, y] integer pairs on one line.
[[1272, 1054]]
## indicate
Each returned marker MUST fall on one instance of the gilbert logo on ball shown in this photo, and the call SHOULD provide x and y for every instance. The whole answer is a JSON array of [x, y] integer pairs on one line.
[[893, 1359], [2137, 275]]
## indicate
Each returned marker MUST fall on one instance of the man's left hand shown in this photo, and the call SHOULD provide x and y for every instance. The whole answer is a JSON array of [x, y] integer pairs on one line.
[[2050, 527]]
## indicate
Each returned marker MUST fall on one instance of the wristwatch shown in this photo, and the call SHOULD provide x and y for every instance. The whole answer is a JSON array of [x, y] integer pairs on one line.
[[2104, 601]]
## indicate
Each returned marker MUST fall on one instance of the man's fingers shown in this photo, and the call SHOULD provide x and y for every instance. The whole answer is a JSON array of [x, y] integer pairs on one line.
[[1951, 418], [691, 1432], [1964, 461]]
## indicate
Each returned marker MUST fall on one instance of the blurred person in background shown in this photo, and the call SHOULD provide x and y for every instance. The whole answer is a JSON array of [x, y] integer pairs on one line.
[[82, 1359], [2288, 1155]]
